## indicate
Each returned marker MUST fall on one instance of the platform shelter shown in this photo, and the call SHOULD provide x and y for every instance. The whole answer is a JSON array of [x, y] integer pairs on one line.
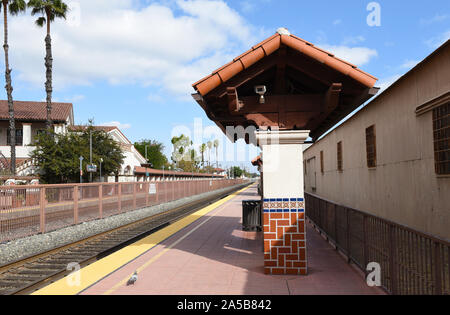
[[282, 92]]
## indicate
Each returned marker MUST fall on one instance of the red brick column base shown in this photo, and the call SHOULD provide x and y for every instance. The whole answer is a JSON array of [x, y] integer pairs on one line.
[[284, 237]]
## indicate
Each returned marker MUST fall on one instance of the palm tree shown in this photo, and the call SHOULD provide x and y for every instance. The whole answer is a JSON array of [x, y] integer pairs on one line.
[[210, 145], [49, 11], [202, 150], [14, 7], [216, 146]]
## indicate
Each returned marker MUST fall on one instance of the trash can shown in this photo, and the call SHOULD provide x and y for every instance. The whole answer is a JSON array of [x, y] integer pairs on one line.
[[251, 215]]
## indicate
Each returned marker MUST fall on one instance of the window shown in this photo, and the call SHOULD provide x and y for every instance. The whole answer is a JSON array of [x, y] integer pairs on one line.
[[371, 147], [19, 137], [321, 162], [441, 133], [339, 157]]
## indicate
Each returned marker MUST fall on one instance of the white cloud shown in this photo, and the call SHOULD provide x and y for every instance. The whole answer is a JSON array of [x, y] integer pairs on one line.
[[409, 64], [435, 19], [353, 40], [337, 22], [74, 98], [356, 55], [383, 84], [117, 124], [247, 6], [116, 42], [436, 41]]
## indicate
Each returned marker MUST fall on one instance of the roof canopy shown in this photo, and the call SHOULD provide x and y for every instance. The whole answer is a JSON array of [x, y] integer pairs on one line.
[[36, 111], [306, 88]]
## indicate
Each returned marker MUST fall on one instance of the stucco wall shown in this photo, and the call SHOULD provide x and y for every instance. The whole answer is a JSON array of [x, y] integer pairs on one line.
[[403, 187]]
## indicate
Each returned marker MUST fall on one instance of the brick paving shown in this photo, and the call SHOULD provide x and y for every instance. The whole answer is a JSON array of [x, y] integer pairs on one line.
[[218, 258]]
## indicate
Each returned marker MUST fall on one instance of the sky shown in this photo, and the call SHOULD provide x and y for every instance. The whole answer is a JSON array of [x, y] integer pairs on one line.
[[131, 63]]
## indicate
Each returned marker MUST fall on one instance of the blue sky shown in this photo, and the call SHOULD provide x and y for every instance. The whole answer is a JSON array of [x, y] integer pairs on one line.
[[131, 63]]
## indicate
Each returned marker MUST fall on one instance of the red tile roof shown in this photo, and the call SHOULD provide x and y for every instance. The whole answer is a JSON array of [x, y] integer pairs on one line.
[[269, 46], [36, 111], [151, 171]]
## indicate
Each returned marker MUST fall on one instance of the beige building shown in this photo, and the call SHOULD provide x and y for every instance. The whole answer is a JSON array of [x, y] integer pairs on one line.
[[30, 119], [392, 158]]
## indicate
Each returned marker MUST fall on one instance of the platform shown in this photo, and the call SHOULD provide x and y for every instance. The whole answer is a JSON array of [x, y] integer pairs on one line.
[[213, 256]]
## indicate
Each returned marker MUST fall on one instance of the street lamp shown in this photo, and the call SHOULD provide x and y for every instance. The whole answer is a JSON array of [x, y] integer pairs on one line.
[[101, 160], [90, 153], [81, 169]]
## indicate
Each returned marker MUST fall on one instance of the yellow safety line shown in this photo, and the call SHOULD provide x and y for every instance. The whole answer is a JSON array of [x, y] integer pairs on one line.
[[98, 270]]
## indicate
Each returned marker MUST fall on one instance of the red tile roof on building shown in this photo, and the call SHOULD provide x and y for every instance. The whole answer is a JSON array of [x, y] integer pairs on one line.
[[36, 111], [269, 46], [151, 171]]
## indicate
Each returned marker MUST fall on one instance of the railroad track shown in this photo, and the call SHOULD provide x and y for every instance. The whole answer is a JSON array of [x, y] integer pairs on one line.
[[28, 275]]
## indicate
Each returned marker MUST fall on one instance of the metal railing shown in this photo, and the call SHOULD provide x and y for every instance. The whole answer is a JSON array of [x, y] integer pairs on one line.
[[29, 210], [411, 262]]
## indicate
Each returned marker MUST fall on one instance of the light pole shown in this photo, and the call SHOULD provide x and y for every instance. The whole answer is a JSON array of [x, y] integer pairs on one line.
[[101, 160], [90, 153], [81, 169]]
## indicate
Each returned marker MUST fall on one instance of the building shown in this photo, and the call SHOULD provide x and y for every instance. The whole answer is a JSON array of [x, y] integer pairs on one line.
[[30, 119], [392, 158], [132, 159], [150, 174]]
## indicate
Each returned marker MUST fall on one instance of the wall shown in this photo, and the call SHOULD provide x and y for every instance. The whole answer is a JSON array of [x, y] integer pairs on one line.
[[403, 187]]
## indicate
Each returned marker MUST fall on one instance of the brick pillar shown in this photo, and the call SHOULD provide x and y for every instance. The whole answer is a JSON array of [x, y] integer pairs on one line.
[[284, 206]]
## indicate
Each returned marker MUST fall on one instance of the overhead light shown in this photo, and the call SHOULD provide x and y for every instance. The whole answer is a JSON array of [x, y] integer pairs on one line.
[[261, 90]]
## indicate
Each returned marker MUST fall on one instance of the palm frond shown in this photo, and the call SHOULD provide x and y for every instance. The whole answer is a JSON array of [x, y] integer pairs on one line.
[[17, 6], [36, 5], [41, 21]]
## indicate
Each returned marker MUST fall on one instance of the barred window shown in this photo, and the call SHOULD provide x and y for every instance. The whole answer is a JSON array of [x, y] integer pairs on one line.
[[19, 137], [441, 132], [371, 147], [321, 162], [339, 157]]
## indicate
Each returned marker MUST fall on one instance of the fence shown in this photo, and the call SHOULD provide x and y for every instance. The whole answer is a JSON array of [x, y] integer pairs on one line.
[[411, 262], [29, 210]]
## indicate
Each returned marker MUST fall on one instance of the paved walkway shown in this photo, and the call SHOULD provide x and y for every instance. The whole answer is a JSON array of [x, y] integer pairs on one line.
[[213, 256]]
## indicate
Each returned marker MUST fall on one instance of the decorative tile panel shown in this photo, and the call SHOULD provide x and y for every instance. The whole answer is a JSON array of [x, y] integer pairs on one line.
[[284, 236]]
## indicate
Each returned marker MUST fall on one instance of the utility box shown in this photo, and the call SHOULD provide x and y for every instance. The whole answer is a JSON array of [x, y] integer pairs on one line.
[[251, 215]]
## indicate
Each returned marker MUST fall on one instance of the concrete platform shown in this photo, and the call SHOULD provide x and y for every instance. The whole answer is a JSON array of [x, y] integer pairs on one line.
[[213, 256]]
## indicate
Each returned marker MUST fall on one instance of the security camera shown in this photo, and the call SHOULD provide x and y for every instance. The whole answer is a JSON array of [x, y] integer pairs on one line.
[[261, 90]]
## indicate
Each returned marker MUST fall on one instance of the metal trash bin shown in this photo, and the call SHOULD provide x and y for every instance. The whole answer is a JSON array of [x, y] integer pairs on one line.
[[251, 215]]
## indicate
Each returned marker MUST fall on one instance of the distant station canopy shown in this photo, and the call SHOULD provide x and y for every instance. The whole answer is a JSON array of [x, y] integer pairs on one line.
[[287, 83]]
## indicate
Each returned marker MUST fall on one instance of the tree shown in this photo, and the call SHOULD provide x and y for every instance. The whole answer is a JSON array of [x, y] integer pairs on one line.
[[49, 11], [210, 145], [202, 150], [14, 7], [57, 155], [236, 171], [216, 146], [155, 153], [181, 146]]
